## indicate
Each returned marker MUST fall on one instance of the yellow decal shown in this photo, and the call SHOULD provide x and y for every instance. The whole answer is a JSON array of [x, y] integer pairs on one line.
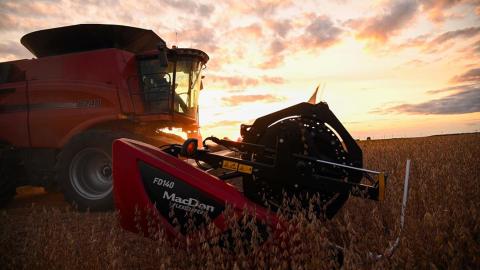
[[230, 165], [245, 168], [381, 187]]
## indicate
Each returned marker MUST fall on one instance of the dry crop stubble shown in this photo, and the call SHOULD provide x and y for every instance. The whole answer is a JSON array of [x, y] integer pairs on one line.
[[441, 230]]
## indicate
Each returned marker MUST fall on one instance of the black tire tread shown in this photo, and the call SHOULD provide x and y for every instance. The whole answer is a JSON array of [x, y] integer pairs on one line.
[[101, 138], [7, 177]]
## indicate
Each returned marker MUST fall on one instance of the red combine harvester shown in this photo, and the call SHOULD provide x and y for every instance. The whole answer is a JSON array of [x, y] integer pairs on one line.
[[94, 84], [90, 84]]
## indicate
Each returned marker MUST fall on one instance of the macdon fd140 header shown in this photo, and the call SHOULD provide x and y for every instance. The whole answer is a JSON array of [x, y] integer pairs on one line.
[[301, 151]]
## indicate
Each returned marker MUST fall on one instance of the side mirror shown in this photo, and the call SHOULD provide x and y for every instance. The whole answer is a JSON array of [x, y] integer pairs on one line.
[[162, 54], [201, 83]]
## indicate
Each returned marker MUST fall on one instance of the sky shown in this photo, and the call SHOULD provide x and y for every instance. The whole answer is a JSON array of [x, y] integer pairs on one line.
[[386, 68]]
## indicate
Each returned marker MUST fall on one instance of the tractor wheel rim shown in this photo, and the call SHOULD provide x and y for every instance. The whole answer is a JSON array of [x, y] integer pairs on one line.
[[91, 173]]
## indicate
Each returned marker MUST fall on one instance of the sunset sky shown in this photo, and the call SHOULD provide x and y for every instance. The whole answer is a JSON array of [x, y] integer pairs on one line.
[[389, 68]]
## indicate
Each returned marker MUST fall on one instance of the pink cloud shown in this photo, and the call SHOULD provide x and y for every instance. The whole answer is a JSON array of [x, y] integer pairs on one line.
[[272, 62], [273, 80], [321, 32], [250, 31], [260, 7], [241, 82], [431, 44], [13, 50], [236, 100], [274, 54], [280, 27], [472, 75], [461, 33], [381, 27], [436, 9], [232, 82]]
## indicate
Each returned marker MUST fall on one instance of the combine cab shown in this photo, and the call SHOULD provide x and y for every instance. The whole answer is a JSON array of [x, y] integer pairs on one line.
[[89, 85]]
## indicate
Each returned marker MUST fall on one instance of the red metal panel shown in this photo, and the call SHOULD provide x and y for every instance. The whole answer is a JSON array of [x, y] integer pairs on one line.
[[14, 113], [132, 200], [71, 92], [57, 107], [128, 71]]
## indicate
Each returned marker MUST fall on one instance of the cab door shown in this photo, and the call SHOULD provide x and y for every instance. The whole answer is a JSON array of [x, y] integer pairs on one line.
[[13, 106]]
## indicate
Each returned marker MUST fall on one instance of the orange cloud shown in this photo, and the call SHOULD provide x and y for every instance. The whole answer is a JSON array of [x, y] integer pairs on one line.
[[259, 7], [280, 27], [274, 54], [415, 62], [476, 48], [436, 8], [240, 82], [29, 7], [272, 62], [392, 21], [197, 36], [463, 33], [414, 42], [13, 50], [250, 31], [10, 22], [472, 75], [236, 100], [399, 14], [236, 82], [431, 44], [273, 80]]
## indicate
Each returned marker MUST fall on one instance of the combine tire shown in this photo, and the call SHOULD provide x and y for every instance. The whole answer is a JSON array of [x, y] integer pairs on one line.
[[7, 179], [84, 170], [7, 190]]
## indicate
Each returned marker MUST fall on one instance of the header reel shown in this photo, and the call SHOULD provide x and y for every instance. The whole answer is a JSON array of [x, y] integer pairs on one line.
[[300, 151]]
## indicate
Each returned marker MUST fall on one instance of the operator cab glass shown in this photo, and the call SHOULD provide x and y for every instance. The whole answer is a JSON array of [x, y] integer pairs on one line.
[[175, 88], [187, 86], [156, 82]]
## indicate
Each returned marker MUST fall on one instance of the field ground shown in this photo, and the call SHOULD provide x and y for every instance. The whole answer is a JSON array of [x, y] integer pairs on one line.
[[442, 229]]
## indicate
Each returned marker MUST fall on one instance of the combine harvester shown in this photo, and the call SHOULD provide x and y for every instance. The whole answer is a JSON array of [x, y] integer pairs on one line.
[[299, 151], [103, 82]]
